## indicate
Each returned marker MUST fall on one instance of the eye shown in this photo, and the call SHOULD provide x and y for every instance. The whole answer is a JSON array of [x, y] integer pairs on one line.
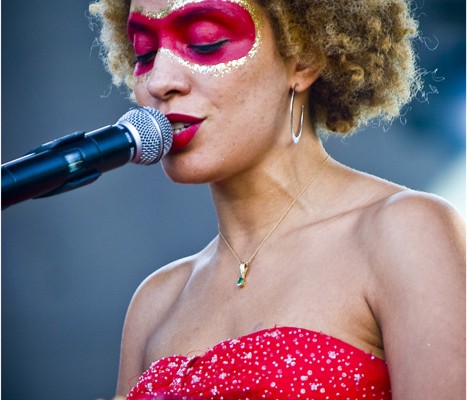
[[146, 58], [208, 48]]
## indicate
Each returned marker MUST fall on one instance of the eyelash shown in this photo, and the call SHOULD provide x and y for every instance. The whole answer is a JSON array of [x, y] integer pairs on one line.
[[208, 48], [145, 58]]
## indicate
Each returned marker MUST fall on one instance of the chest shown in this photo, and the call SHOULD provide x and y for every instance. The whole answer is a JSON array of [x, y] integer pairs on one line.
[[209, 312]]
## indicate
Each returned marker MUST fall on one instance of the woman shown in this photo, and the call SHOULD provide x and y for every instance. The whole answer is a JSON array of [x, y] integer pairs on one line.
[[324, 282]]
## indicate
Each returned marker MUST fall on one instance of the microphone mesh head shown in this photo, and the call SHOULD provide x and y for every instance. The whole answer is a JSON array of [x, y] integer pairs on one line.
[[153, 133]]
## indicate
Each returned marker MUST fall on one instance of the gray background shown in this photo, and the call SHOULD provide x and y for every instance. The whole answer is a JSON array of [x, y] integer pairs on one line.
[[71, 263]]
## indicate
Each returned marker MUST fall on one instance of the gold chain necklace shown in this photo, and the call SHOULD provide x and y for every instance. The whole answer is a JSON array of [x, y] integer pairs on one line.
[[245, 265]]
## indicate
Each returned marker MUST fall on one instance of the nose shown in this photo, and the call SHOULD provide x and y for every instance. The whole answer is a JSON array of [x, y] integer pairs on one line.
[[168, 77]]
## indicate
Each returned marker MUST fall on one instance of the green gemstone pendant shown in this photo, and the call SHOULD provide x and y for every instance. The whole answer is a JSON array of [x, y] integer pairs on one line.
[[243, 271]]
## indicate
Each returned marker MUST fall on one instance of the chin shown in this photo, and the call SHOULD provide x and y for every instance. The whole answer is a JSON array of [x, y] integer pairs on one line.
[[184, 175], [197, 168]]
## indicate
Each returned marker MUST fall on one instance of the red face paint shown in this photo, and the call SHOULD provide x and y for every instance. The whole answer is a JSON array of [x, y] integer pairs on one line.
[[202, 34]]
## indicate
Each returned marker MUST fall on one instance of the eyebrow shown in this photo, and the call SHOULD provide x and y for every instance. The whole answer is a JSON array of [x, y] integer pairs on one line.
[[184, 17]]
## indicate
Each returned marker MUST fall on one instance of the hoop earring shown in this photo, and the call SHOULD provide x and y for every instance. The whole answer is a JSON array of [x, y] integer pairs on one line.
[[296, 137]]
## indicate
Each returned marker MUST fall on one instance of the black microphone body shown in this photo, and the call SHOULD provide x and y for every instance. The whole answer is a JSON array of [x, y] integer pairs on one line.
[[76, 159], [143, 135]]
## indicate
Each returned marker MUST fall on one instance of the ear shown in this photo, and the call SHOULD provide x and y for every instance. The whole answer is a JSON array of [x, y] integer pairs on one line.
[[303, 76]]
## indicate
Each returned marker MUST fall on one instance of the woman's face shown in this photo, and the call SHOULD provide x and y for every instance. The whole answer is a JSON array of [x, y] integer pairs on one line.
[[211, 67]]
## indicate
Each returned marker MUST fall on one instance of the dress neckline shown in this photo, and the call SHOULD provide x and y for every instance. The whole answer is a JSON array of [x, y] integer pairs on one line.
[[285, 329]]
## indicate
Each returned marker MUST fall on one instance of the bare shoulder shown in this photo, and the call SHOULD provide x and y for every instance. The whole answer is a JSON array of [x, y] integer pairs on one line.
[[414, 239], [413, 224], [150, 305], [154, 297], [415, 243], [162, 287], [391, 218]]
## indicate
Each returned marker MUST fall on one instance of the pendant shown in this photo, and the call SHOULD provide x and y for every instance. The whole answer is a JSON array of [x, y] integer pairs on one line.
[[243, 271]]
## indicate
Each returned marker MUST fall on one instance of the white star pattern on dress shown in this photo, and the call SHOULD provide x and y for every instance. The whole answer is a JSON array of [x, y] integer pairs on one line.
[[275, 364]]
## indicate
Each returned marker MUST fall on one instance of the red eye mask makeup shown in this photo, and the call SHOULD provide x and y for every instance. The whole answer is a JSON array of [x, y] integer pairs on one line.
[[207, 36]]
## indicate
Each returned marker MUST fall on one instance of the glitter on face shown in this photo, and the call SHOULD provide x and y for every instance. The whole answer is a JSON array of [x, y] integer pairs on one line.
[[213, 67], [215, 70]]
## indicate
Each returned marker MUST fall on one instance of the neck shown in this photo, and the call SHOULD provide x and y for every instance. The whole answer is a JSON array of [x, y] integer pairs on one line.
[[250, 204]]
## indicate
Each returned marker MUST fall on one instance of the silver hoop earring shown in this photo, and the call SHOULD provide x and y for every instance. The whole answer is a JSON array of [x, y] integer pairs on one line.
[[296, 137]]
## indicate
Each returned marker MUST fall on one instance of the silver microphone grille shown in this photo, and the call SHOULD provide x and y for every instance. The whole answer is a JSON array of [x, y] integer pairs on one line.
[[152, 132]]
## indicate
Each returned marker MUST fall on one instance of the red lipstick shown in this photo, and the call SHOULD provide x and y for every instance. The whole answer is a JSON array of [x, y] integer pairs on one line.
[[185, 128]]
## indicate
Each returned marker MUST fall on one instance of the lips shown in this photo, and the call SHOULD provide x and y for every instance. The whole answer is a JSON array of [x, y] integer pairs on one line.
[[185, 128]]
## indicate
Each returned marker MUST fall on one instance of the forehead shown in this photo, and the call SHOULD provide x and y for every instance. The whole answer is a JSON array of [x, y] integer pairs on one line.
[[162, 8]]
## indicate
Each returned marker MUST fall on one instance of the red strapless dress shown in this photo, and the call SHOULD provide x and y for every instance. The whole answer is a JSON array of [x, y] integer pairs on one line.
[[276, 363]]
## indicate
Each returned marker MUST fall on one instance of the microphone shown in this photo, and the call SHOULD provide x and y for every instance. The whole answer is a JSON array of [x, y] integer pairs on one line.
[[143, 136]]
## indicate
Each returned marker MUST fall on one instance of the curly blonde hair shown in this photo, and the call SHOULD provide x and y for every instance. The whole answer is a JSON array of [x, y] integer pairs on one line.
[[363, 48]]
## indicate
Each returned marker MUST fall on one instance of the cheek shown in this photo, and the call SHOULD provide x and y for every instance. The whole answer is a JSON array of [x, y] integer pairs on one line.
[[140, 92], [257, 98]]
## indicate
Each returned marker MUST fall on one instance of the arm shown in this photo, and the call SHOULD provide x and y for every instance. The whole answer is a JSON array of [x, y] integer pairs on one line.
[[418, 256], [134, 337]]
